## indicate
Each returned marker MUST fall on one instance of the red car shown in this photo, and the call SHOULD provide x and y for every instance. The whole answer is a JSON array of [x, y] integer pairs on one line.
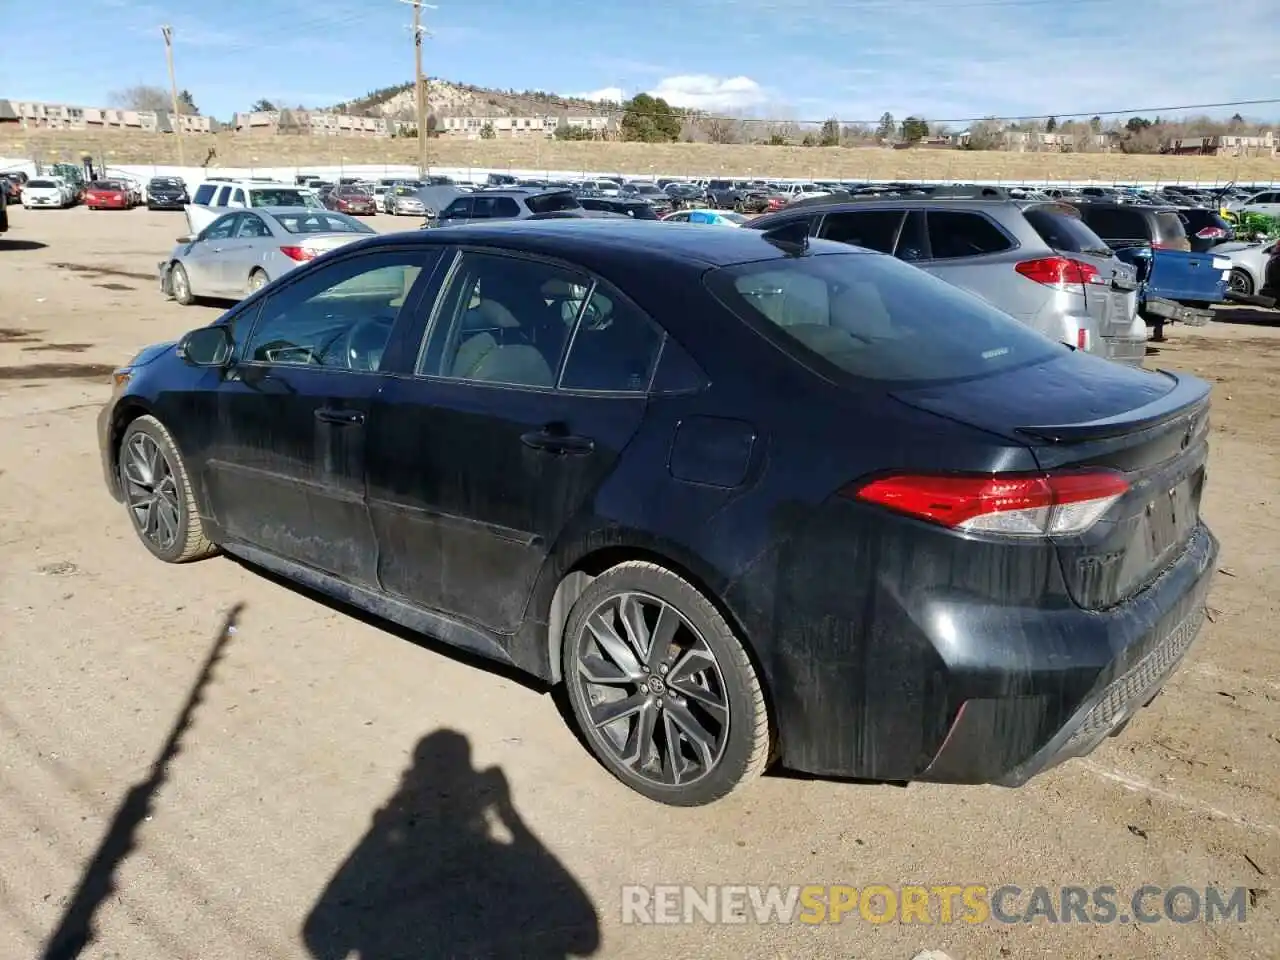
[[350, 200], [108, 195]]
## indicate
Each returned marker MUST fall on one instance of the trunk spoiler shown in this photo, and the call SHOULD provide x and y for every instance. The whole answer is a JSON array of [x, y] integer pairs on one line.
[[1188, 392]]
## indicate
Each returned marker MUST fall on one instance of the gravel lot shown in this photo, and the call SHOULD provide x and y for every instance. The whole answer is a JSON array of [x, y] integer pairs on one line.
[[317, 804]]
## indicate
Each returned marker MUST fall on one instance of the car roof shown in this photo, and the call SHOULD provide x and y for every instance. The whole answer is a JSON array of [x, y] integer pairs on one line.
[[594, 242], [282, 210]]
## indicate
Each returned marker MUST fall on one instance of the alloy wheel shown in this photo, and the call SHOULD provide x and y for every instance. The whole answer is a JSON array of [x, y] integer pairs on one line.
[[178, 280], [653, 688], [151, 490], [1239, 282]]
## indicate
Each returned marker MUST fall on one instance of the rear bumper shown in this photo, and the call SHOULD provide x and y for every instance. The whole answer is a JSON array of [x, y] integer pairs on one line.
[[1151, 633], [1172, 311], [1130, 350]]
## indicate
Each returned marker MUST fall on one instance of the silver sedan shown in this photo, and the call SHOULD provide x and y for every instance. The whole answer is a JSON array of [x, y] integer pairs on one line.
[[245, 250]]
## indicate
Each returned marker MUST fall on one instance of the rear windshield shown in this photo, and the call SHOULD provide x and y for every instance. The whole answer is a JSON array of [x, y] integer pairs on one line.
[[877, 318], [1065, 232], [283, 197], [41, 185], [318, 222], [552, 202], [105, 185], [1169, 225]]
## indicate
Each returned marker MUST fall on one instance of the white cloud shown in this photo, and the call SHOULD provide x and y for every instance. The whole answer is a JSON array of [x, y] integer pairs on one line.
[[705, 92], [609, 94]]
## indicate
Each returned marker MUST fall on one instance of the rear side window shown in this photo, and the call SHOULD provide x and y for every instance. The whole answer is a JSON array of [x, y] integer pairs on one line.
[[614, 348], [873, 229], [204, 193], [459, 208], [552, 202], [877, 318], [1111, 224], [1065, 232], [954, 233]]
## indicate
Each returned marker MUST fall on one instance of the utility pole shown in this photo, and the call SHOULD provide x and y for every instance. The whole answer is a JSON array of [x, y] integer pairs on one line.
[[176, 123], [420, 82]]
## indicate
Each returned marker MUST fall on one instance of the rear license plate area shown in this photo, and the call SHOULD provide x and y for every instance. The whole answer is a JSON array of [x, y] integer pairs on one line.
[[1171, 515]]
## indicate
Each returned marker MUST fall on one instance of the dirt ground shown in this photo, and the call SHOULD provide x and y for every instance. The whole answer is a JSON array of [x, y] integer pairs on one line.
[[320, 734], [225, 150]]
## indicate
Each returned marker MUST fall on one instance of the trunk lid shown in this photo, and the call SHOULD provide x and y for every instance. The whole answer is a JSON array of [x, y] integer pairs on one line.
[[1080, 411], [1111, 300]]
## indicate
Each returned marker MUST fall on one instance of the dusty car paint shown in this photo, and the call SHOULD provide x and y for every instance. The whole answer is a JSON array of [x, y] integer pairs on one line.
[[890, 648]]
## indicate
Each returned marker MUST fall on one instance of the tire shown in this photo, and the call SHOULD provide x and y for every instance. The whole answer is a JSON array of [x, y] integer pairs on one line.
[[180, 285], [257, 280], [1240, 282], [152, 471], [726, 681]]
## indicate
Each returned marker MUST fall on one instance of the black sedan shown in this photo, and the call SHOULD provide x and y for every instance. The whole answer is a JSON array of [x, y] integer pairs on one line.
[[167, 193], [750, 497]]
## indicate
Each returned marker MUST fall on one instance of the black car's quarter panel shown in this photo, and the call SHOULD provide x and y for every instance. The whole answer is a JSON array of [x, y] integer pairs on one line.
[[464, 510]]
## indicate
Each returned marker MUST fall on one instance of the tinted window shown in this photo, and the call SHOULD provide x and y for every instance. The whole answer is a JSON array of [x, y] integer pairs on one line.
[[552, 202], [953, 233], [1064, 231], [251, 227], [339, 316], [913, 243], [42, 185], [877, 318], [1169, 226], [222, 228], [459, 208], [237, 196], [614, 348], [503, 320], [278, 198], [223, 194], [1116, 224], [640, 211], [204, 193], [873, 229]]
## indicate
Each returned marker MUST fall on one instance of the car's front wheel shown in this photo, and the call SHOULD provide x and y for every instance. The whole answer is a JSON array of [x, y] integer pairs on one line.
[[157, 492], [180, 285], [662, 688]]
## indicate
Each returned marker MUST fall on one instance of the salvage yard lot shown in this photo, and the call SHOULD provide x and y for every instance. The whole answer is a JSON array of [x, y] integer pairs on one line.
[[316, 720]]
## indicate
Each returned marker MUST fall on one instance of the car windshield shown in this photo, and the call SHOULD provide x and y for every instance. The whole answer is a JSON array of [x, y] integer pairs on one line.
[[320, 222], [733, 217], [165, 182], [552, 202], [877, 318], [283, 197], [41, 185], [647, 190]]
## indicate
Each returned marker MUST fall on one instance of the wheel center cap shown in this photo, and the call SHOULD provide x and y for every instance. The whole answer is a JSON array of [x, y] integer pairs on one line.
[[656, 686]]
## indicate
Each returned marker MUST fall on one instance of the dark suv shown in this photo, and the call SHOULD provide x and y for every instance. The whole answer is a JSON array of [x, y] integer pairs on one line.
[[1159, 226], [509, 204]]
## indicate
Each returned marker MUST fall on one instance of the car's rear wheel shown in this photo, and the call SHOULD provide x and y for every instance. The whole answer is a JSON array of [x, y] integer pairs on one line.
[[153, 479], [662, 688], [257, 280], [180, 285], [1240, 282]]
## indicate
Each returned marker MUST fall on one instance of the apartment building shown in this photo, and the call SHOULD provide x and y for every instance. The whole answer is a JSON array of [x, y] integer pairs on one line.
[[316, 123], [1266, 144], [542, 125], [40, 115]]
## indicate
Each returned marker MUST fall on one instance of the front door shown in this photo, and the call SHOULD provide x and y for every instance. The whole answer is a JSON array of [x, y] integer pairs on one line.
[[479, 461], [285, 471]]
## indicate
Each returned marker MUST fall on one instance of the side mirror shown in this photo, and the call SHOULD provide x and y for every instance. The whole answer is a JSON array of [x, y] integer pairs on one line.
[[207, 347], [189, 238]]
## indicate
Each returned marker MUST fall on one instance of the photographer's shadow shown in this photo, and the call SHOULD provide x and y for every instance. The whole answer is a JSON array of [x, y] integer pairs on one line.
[[430, 878]]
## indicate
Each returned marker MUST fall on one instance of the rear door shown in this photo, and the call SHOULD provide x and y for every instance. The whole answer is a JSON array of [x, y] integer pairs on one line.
[[203, 259], [969, 250], [480, 460]]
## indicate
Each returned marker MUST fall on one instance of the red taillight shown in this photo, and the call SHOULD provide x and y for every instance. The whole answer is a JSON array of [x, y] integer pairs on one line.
[[298, 253], [1058, 271], [1016, 505], [1211, 233]]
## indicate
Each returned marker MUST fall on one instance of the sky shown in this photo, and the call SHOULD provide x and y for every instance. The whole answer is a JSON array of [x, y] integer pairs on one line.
[[944, 60]]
